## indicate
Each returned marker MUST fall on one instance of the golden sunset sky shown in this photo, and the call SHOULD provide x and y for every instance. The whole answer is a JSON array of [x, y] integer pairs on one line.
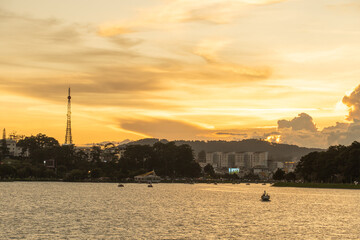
[[285, 71]]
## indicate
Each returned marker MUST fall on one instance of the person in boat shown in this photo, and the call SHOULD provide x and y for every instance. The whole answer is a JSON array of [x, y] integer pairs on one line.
[[264, 194]]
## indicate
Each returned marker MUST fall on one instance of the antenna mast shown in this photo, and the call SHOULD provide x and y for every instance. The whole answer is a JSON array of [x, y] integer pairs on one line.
[[68, 137]]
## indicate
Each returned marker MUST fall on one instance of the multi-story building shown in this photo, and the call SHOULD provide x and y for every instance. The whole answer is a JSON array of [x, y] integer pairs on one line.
[[244, 160], [216, 159], [240, 160], [260, 159], [15, 150], [274, 165]]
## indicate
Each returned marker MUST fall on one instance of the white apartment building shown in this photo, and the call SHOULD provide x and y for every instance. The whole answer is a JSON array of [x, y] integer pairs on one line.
[[260, 159], [216, 159], [13, 149], [237, 159]]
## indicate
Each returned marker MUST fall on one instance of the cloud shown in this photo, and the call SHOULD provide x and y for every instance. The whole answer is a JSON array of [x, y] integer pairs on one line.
[[183, 11], [343, 133], [345, 7], [301, 131], [115, 80], [302, 122], [244, 135], [106, 31], [163, 128], [353, 103], [26, 30], [209, 50], [304, 132], [44, 43], [124, 42], [53, 55]]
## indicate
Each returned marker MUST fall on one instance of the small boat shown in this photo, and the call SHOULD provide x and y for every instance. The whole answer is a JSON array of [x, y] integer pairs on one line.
[[247, 183], [265, 197], [150, 184], [264, 184], [120, 185], [215, 183]]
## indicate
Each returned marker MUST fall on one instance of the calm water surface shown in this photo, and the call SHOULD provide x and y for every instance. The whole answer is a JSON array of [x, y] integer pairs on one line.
[[57, 210]]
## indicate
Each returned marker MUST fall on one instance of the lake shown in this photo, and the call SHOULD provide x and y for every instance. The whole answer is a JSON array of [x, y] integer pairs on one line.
[[60, 210]]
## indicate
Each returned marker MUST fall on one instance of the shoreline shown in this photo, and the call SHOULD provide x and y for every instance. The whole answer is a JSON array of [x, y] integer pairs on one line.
[[210, 181], [317, 185]]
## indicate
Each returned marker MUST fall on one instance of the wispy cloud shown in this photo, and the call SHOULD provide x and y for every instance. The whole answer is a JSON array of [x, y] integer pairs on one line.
[[132, 78], [163, 128], [183, 11]]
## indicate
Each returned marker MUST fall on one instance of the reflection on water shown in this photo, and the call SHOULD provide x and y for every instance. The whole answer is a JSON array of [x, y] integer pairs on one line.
[[47, 210]]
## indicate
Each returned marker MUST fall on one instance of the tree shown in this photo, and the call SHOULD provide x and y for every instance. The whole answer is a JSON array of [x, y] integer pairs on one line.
[[337, 164], [252, 176], [208, 169], [306, 166], [81, 160], [40, 147], [95, 154], [95, 173], [75, 175], [138, 157], [4, 149], [38, 141], [7, 171], [290, 176], [279, 174], [184, 163], [63, 155], [166, 159], [193, 170]]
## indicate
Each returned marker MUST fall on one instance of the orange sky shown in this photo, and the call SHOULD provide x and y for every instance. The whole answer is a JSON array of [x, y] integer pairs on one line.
[[181, 69]]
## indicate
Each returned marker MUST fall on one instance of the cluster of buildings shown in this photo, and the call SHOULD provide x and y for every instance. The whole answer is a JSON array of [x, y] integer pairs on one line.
[[243, 163], [237, 159], [12, 148]]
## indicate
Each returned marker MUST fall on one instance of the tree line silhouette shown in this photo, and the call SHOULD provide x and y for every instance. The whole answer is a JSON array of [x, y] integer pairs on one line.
[[76, 164], [338, 164]]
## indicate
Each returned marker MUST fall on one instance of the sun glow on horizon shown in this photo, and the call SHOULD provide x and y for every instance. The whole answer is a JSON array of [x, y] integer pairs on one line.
[[274, 139]]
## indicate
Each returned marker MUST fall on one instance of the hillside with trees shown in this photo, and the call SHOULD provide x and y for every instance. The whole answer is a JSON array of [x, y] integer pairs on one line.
[[277, 151]]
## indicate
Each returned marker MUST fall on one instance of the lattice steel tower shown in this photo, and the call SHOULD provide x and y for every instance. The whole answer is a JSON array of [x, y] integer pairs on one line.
[[68, 137]]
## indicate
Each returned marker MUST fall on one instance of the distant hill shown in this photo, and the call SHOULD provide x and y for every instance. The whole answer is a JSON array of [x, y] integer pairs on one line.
[[277, 151]]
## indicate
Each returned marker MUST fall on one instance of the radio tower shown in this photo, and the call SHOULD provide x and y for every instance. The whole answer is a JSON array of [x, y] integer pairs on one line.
[[68, 137]]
